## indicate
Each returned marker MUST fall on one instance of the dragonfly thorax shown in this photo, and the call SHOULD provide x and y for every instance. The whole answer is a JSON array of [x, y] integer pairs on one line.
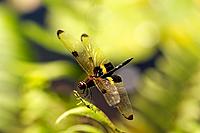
[[98, 71], [102, 69]]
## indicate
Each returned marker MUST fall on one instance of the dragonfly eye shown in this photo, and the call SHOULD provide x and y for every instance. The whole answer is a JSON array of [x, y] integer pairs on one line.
[[82, 85]]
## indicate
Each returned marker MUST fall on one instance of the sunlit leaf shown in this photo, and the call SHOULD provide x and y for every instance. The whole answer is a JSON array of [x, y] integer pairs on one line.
[[82, 128], [88, 110]]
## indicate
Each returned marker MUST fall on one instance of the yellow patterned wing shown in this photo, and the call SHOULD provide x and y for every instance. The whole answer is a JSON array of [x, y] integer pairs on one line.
[[124, 106], [82, 51], [109, 91]]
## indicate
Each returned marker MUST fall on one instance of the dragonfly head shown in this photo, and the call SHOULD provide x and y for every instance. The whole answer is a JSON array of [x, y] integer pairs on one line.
[[82, 85]]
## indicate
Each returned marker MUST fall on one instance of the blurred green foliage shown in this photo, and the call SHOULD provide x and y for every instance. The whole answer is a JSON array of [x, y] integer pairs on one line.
[[165, 100]]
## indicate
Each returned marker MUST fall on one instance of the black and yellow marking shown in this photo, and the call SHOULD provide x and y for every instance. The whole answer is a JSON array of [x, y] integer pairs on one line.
[[109, 66], [110, 80], [75, 53], [97, 71], [130, 117], [90, 59], [103, 91], [100, 70], [116, 78], [103, 68], [109, 73], [106, 67], [59, 32], [83, 36]]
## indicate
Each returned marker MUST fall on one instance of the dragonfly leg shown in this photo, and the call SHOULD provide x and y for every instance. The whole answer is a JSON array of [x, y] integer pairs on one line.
[[83, 91], [89, 94], [86, 92]]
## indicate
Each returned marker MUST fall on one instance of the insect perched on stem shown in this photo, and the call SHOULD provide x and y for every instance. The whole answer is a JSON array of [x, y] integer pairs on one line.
[[100, 73]]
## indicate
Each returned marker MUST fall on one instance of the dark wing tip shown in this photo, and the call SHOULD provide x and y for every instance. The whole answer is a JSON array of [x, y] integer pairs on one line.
[[83, 35], [130, 117], [59, 32]]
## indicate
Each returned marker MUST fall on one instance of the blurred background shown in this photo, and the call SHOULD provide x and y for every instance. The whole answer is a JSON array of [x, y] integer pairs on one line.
[[38, 75]]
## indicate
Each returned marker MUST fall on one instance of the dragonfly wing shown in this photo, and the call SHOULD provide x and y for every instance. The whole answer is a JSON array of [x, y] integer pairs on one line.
[[124, 106], [97, 55], [83, 56], [87, 56], [108, 90]]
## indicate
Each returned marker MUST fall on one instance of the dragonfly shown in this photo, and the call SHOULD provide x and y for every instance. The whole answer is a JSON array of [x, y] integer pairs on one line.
[[100, 72]]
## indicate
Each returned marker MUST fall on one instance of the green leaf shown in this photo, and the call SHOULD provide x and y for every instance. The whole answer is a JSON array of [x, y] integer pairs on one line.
[[91, 111], [82, 128]]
